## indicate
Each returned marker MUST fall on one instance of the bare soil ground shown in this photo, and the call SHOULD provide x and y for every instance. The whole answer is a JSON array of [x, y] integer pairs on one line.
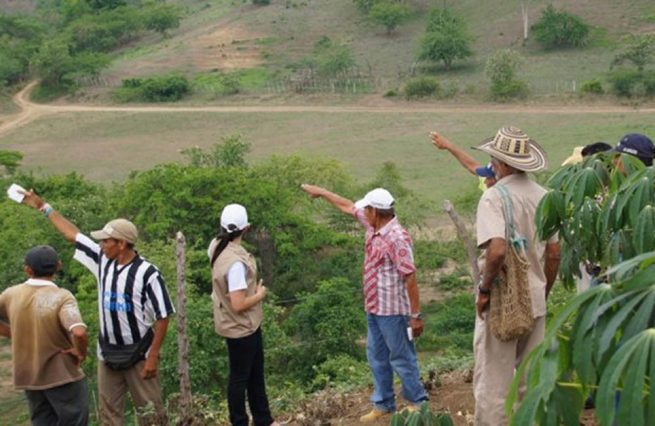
[[29, 111]]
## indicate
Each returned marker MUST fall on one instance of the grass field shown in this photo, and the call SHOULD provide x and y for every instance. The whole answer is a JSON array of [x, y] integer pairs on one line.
[[107, 146]]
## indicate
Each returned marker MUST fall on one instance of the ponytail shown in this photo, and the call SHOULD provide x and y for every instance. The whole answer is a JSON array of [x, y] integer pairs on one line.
[[224, 238]]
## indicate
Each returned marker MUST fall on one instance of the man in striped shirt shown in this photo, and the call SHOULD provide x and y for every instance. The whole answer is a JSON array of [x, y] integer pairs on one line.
[[391, 298], [134, 309]]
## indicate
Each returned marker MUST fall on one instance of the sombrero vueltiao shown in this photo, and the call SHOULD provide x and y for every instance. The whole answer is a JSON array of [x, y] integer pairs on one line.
[[512, 146]]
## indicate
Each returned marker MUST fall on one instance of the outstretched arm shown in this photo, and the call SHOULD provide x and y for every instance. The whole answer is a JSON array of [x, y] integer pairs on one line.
[[343, 204], [468, 162], [61, 224]]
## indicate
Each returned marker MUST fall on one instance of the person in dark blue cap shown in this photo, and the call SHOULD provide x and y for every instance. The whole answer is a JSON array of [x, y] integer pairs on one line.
[[637, 145], [485, 173]]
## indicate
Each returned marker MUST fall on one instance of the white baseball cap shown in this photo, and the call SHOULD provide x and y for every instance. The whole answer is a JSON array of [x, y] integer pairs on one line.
[[378, 198], [234, 217]]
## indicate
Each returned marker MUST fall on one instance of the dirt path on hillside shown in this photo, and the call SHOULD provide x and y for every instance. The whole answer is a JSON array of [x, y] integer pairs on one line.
[[29, 111]]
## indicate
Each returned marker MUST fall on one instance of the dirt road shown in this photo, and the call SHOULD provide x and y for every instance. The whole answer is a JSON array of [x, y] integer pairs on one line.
[[30, 111]]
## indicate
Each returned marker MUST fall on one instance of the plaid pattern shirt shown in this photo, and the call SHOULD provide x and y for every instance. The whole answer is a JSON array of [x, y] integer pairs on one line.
[[388, 258]]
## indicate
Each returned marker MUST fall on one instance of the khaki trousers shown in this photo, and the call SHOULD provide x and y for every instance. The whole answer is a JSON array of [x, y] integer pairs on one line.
[[114, 384], [495, 363]]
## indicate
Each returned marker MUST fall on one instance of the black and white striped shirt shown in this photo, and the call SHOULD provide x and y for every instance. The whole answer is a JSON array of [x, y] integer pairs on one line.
[[131, 297]]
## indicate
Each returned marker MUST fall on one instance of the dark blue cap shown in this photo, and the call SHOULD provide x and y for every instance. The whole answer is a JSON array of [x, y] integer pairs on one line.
[[636, 144], [43, 260], [485, 171]]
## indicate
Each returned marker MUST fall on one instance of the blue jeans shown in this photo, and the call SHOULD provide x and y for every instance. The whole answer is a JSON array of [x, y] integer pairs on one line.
[[389, 350]]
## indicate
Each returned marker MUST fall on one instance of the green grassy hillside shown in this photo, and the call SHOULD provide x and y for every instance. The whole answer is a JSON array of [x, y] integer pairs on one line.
[[227, 35]]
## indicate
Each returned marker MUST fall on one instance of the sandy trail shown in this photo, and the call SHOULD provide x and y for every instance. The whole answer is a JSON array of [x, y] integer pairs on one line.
[[30, 111]]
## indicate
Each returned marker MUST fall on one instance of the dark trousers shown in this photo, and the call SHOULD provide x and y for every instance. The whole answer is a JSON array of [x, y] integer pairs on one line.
[[65, 405], [247, 374]]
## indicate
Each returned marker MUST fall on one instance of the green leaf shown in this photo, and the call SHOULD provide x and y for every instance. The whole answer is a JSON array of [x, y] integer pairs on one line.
[[605, 408], [644, 230], [527, 412], [630, 406], [569, 402], [618, 318], [641, 318], [650, 406]]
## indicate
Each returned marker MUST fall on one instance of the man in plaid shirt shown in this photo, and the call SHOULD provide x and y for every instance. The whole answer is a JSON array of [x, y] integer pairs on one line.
[[391, 298]]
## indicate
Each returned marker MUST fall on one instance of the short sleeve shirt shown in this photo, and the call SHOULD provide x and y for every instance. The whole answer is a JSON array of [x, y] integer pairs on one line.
[[131, 297], [40, 316], [490, 223], [388, 259]]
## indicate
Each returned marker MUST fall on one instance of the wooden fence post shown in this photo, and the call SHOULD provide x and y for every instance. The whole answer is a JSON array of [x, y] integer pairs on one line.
[[463, 235], [182, 339]]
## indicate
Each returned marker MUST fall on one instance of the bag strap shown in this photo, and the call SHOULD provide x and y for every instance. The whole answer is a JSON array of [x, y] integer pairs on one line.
[[511, 235]]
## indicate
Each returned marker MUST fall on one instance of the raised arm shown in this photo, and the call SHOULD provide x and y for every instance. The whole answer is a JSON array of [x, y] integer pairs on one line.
[[468, 162], [343, 204], [61, 224]]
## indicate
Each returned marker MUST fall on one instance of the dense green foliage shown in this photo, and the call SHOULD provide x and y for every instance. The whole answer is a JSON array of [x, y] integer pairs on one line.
[[314, 319], [67, 40], [501, 69], [165, 88], [558, 28], [600, 343], [632, 83], [10, 160], [421, 87], [446, 38]]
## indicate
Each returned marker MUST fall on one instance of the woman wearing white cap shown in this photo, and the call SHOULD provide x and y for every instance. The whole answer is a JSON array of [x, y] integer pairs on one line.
[[238, 315]]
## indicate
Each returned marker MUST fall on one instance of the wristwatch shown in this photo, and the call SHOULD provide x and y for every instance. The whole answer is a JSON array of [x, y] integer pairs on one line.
[[417, 316], [482, 290]]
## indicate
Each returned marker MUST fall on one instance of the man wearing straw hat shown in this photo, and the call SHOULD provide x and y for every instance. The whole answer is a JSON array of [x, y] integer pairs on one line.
[[513, 155]]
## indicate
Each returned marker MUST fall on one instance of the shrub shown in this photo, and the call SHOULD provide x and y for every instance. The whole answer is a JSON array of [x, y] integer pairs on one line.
[[167, 88], [261, 2], [501, 69], [556, 29], [161, 18], [592, 86], [632, 83], [422, 417], [332, 58], [421, 87], [445, 40], [364, 5], [389, 14], [640, 52]]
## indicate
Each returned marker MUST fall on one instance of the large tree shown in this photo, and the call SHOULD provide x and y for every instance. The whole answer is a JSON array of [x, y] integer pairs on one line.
[[446, 39]]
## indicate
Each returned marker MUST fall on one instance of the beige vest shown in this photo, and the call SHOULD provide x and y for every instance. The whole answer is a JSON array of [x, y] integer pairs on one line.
[[39, 317], [228, 323]]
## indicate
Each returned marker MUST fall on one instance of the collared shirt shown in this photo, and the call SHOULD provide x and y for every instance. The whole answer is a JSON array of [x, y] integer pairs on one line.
[[131, 297], [388, 259], [40, 317], [490, 223]]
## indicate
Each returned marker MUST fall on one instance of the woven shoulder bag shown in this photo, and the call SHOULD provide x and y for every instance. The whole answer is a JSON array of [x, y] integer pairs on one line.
[[510, 305]]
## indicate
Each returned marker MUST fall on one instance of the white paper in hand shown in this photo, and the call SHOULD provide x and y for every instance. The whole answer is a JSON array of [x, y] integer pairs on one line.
[[14, 192]]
